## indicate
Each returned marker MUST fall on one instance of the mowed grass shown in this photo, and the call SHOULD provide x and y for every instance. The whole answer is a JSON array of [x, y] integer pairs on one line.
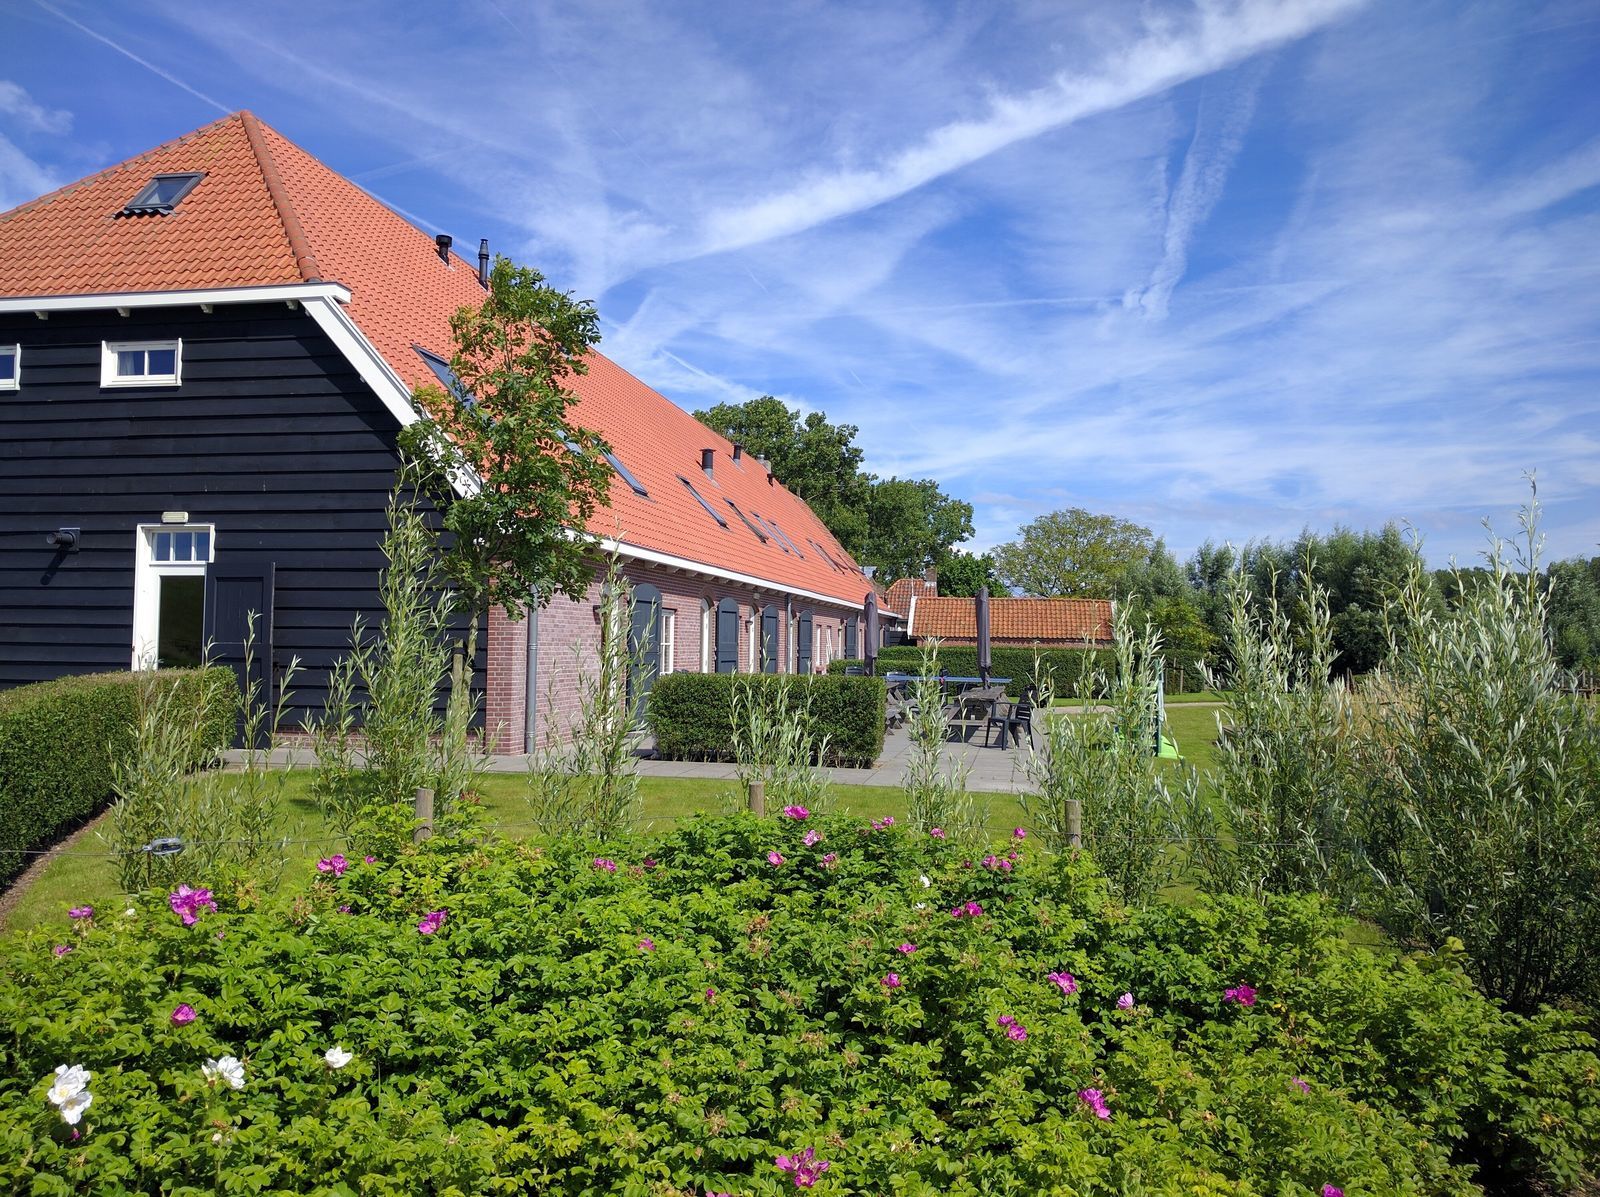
[[84, 872]]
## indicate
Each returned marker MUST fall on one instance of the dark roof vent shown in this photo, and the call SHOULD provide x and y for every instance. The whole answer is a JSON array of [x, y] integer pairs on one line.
[[443, 242], [738, 452], [708, 461], [483, 263], [161, 194]]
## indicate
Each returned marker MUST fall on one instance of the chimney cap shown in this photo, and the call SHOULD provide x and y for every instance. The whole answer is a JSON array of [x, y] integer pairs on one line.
[[738, 451], [442, 242], [708, 460]]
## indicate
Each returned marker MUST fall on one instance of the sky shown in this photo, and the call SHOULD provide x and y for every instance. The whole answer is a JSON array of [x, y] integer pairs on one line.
[[1225, 268]]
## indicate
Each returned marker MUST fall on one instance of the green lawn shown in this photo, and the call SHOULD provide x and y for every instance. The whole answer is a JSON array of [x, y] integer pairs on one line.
[[84, 873]]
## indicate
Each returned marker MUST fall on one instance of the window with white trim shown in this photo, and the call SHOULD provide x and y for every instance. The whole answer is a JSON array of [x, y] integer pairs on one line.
[[10, 367], [669, 640], [169, 588], [141, 363]]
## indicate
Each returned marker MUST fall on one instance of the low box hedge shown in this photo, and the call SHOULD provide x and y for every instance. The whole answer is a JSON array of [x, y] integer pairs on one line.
[[691, 714], [58, 739], [1065, 666]]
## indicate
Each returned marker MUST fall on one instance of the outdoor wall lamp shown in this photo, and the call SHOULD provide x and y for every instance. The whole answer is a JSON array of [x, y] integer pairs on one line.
[[63, 540]]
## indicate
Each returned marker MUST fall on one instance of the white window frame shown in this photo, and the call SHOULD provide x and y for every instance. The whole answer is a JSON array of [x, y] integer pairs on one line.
[[108, 364], [754, 665], [14, 383], [147, 575], [707, 636], [669, 640]]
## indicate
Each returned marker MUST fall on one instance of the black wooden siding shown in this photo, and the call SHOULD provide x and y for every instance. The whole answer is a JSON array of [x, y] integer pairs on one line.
[[272, 437]]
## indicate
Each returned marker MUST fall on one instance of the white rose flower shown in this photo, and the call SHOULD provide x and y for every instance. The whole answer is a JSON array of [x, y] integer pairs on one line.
[[130, 913], [228, 1069], [920, 906], [69, 1082], [72, 1109], [336, 1057], [925, 881]]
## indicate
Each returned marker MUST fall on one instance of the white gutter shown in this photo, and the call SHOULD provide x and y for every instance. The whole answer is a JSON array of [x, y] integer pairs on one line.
[[284, 293], [652, 557]]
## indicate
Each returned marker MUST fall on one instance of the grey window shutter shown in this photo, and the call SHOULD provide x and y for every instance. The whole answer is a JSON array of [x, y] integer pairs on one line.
[[728, 636], [769, 639], [803, 649]]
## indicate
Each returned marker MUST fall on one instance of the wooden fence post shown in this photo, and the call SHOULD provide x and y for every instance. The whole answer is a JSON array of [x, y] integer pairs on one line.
[[758, 798], [1074, 822], [424, 810]]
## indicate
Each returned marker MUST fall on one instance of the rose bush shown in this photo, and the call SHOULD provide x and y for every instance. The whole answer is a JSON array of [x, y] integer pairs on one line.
[[483, 1017]]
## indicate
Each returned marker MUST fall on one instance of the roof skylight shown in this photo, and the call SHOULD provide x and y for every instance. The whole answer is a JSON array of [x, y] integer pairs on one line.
[[709, 509], [627, 475], [760, 535], [161, 194]]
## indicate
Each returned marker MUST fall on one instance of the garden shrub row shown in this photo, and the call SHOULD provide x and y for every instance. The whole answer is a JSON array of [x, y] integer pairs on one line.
[[58, 739], [704, 1010], [691, 714], [1064, 666]]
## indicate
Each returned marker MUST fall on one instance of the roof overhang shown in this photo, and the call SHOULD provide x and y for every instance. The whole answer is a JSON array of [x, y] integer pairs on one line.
[[203, 297], [633, 552]]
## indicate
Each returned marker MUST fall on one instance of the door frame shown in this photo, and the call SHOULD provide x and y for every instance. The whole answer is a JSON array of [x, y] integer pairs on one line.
[[147, 575]]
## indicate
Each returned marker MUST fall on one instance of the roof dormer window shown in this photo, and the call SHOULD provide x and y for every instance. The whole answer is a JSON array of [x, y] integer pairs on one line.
[[161, 194]]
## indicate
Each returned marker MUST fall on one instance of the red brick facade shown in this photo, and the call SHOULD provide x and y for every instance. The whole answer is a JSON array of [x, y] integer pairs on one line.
[[569, 639]]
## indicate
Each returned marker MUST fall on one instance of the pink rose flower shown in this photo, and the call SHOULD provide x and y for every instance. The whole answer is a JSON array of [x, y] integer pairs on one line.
[[183, 1014]]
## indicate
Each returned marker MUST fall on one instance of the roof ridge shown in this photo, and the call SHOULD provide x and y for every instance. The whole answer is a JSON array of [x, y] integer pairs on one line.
[[305, 260], [68, 188]]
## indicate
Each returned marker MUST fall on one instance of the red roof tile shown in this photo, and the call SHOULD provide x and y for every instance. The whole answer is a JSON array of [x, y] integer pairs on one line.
[[903, 590], [267, 212], [1043, 621]]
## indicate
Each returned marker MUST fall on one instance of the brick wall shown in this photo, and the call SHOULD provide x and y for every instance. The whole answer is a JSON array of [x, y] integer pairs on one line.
[[569, 642]]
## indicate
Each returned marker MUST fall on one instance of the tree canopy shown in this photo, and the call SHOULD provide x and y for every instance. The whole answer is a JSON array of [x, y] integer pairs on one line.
[[1073, 553], [901, 526], [530, 476], [962, 575]]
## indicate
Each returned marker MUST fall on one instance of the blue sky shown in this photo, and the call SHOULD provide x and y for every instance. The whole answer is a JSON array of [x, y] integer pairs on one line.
[[1227, 269]]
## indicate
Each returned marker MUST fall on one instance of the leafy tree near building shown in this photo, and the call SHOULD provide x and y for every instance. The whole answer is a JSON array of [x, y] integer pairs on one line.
[[535, 476], [911, 525], [1575, 612], [1073, 553], [962, 575]]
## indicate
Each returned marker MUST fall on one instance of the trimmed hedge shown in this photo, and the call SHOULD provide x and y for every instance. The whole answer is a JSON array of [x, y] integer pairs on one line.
[[691, 714], [1064, 665], [58, 739]]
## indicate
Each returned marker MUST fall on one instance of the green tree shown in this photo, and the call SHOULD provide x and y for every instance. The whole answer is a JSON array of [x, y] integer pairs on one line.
[[816, 460], [1575, 612], [911, 525], [962, 575], [1073, 553], [512, 476]]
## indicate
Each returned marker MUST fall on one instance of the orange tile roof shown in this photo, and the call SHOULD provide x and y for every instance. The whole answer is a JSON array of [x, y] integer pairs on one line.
[[1014, 620], [903, 590], [268, 212]]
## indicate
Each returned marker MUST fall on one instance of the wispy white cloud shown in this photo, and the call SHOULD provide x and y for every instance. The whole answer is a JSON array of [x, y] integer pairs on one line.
[[21, 178], [130, 55], [33, 117], [1218, 37]]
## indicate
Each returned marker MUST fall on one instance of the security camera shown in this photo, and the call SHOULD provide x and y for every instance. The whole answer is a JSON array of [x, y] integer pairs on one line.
[[63, 540]]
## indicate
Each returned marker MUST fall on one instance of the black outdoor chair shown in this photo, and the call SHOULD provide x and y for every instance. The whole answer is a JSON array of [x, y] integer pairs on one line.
[[1014, 722], [854, 671]]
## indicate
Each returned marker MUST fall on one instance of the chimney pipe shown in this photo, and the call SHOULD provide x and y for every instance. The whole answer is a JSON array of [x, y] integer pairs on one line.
[[738, 452], [483, 263], [443, 243], [708, 460]]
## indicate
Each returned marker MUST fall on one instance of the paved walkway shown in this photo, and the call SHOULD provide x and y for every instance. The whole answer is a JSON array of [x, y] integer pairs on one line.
[[996, 770]]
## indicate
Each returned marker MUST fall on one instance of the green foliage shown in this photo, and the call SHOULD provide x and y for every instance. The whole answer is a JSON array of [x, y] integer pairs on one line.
[[1574, 613], [1074, 553], [911, 525], [58, 741], [534, 476], [1104, 762], [1280, 821], [586, 781], [962, 575], [691, 714], [1481, 779], [381, 737], [536, 1042], [227, 821], [1063, 668], [775, 742], [936, 792]]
